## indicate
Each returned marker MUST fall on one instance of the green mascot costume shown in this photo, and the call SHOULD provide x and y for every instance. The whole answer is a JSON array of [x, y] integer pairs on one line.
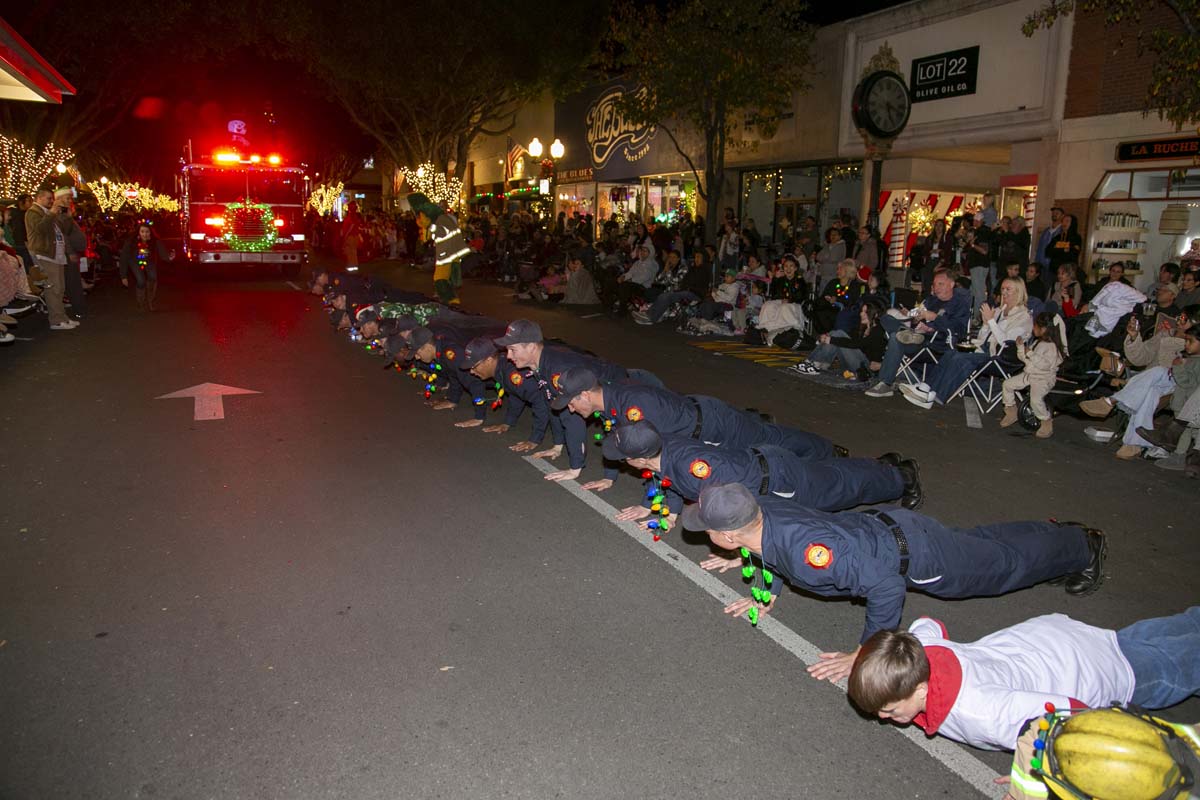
[[442, 227]]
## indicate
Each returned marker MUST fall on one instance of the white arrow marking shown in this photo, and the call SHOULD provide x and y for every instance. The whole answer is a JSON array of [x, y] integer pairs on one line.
[[209, 404]]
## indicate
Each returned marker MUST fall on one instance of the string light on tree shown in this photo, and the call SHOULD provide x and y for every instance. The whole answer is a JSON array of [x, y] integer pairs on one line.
[[22, 169], [324, 196], [443, 190]]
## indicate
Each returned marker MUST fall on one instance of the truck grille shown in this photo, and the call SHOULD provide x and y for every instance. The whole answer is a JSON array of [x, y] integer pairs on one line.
[[249, 226]]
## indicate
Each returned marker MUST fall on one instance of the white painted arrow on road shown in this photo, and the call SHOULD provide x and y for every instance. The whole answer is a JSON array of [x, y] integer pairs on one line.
[[209, 404]]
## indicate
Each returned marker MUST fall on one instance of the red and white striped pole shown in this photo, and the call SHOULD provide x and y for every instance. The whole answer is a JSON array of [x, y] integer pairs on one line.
[[1029, 208], [899, 232]]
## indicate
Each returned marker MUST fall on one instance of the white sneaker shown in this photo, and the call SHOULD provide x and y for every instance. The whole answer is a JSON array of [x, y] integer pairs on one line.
[[5, 338], [880, 389], [69, 325], [917, 391], [918, 402]]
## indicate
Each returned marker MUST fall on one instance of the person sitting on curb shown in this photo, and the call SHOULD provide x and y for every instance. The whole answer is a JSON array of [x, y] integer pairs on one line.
[[1162, 348], [946, 313], [686, 466], [881, 553], [981, 693], [860, 353], [1139, 398]]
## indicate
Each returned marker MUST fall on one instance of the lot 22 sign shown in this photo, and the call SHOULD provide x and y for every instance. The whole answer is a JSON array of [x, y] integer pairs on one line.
[[609, 132], [944, 75]]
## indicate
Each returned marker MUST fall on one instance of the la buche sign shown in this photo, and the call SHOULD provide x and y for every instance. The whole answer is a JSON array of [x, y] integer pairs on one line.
[[1159, 149], [951, 74]]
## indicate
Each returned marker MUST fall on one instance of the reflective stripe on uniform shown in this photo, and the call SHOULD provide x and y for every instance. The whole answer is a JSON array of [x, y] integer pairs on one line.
[[450, 257], [1029, 785]]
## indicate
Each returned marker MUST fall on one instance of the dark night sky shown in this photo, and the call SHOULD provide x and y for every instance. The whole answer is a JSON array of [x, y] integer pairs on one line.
[[245, 82]]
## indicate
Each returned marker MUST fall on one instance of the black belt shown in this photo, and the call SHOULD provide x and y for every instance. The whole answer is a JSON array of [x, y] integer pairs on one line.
[[699, 418], [766, 471], [901, 541]]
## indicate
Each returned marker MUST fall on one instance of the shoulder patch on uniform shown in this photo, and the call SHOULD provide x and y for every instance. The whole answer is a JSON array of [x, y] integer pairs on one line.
[[554, 381], [700, 469], [449, 355], [515, 379], [633, 413], [818, 556]]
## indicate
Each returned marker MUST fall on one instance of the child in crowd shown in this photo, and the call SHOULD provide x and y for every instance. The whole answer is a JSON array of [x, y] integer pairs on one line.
[[1041, 359], [552, 285], [982, 693]]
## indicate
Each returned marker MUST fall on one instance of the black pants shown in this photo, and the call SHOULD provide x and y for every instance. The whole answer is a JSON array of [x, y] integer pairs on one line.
[[73, 288]]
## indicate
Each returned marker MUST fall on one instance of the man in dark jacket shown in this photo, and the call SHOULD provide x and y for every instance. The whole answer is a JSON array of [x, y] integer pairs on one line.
[[941, 322], [688, 285]]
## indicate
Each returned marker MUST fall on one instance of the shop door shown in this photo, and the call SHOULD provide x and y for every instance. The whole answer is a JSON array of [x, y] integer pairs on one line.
[[789, 217]]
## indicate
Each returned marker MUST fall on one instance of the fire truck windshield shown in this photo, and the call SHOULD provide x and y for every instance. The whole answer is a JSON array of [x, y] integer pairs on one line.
[[228, 186]]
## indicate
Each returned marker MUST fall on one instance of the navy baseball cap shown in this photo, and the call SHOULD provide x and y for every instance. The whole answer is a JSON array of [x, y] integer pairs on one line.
[[477, 350], [635, 440], [405, 323], [366, 314], [571, 383], [419, 338], [520, 331], [721, 507]]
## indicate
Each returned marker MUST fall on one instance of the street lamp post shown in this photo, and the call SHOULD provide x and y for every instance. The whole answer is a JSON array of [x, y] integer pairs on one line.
[[557, 151]]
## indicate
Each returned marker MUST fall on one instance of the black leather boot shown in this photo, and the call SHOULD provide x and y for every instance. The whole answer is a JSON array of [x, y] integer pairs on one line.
[[914, 495], [1088, 581]]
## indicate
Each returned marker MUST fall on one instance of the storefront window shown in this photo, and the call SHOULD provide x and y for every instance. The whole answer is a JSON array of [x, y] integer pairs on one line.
[[619, 200], [778, 200], [1149, 184], [667, 196], [1143, 218], [799, 190]]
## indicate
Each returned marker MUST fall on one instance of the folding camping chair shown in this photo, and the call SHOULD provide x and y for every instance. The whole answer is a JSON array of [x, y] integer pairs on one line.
[[913, 366], [985, 383]]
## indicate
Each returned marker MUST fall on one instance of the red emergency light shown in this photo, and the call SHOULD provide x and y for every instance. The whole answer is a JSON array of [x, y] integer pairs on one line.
[[226, 157], [216, 222], [279, 223], [130, 194]]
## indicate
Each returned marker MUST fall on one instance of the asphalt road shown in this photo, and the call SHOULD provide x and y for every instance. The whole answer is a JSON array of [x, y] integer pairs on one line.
[[333, 592]]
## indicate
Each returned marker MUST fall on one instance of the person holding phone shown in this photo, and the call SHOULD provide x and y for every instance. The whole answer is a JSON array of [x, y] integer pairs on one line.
[[47, 227]]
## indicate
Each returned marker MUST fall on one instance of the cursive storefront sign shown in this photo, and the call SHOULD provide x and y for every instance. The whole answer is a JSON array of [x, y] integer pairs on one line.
[[609, 132]]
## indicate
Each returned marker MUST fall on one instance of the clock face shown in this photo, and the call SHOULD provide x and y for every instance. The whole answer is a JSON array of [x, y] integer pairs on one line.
[[887, 104], [882, 105]]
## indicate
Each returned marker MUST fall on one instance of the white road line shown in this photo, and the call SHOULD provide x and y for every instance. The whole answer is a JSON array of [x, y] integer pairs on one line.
[[971, 409], [294, 286], [953, 756], [591, 316]]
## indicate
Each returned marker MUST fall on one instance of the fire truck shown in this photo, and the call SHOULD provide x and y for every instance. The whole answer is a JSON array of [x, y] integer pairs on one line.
[[243, 208]]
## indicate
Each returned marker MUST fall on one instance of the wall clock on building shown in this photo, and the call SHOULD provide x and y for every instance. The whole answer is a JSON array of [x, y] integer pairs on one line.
[[881, 105]]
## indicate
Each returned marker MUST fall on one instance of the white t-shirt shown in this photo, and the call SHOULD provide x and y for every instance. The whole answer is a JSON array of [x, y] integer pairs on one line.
[[1007, 678]]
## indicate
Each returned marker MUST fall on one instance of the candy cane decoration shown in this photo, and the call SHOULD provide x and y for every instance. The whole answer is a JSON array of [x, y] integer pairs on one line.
[[1029, 208], [899, 231]]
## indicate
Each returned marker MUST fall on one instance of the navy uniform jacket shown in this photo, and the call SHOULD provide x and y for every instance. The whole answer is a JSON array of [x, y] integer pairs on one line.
[[450, 337], [520, 393], [707, 419], [855, 554], [830, 485], [554, 362]]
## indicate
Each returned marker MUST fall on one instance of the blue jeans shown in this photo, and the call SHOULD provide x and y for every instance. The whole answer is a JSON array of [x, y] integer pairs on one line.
[[952, 370], [851, 358], [1165, 656], [666, 300]]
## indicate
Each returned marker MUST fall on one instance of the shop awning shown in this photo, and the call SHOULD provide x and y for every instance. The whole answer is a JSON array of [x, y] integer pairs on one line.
[[24, 75]]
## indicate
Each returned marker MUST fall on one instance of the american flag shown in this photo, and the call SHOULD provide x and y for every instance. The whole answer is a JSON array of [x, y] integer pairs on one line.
[[510, 160]]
